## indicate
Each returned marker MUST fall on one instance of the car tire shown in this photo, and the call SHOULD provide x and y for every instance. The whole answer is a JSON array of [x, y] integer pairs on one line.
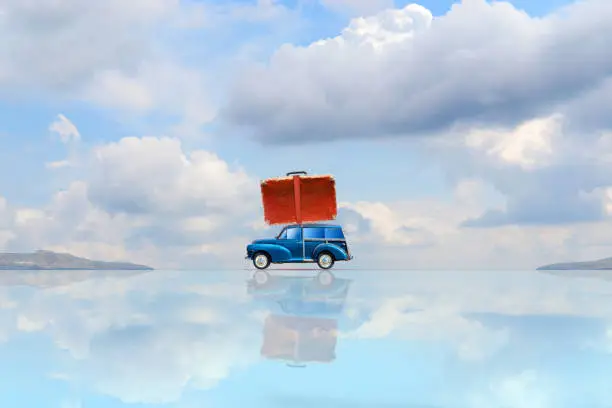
[[261, 277], [325, 260], [261, 260], [325, 278]]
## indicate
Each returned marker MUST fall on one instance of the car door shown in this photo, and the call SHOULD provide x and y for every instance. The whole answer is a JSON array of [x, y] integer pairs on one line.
[[313, 237], [293, 242]]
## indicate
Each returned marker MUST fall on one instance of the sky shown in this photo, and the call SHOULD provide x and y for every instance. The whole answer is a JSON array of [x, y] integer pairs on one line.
[[406, 339], [466, 135]]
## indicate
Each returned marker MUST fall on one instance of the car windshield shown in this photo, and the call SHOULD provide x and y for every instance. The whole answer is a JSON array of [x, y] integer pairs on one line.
[[280, 234]]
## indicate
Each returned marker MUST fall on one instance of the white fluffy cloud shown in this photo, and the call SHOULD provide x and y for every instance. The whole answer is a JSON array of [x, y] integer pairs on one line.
[[530, 145], [126, 57], [533, 130], [59, 44], [400, 72], [147, 200], [151, 174], [512, 132], [432, 234], [65, 129], [357, 6]]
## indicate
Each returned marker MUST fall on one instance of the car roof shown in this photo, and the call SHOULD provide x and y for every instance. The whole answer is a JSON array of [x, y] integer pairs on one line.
[[317, 225]]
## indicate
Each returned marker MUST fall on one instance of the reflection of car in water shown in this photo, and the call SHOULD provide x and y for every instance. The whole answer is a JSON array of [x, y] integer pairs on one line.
[[297, 295], [302, 326]]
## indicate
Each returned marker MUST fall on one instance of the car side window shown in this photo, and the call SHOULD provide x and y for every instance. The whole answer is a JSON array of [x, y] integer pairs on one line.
[[294, 233], [314, 233], [283, 234], [334, 233]]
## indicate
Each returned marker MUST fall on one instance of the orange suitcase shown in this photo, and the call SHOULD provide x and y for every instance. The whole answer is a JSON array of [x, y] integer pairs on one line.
[[299, 198]]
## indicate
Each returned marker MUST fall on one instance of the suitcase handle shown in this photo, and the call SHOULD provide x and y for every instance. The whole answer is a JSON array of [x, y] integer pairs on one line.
[[291, 173]]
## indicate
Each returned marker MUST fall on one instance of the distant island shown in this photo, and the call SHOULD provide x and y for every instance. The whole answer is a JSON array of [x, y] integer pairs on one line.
[[49, 260], [601, 264]]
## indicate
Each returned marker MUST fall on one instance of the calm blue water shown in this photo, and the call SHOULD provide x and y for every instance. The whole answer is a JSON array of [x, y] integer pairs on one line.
[[482, 339]]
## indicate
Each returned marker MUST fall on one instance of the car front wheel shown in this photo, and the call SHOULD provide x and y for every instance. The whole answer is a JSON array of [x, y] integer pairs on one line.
[[261, 260], [325, 260], [261, 277]]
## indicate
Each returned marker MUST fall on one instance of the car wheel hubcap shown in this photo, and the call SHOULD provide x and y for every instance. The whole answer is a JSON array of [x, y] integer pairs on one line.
[[261, 260], [325, 260]]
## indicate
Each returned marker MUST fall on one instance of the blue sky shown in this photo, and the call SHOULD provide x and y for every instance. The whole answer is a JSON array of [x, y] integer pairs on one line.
[[521, 338], [438, 144]]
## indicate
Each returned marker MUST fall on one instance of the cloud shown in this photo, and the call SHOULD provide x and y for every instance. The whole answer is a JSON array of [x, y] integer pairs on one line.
[[6, 221], [472, 341], [154, 175], [362, 7], [157, 85], [129, 58], [546, 172], [68, 134], [65, 129], [146, 200], [534, 130], [529, 145], [432, 233], [402, 72], [61, 44], [376, 222]]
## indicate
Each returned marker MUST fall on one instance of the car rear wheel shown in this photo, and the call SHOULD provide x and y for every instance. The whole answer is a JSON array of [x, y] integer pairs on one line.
[[261, 260], [325, 278], [325, 260]]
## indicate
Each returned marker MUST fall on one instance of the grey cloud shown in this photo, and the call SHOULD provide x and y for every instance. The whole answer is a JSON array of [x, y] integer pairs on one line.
[[480, 63], [60, 45], [555, 195], [348, 216]]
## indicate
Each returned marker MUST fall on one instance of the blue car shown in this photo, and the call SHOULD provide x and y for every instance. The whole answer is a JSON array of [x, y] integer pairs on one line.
[[321, 243]]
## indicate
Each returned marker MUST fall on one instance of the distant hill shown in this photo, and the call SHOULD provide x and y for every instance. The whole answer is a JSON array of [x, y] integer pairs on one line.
[[601, 264], [48, 260]]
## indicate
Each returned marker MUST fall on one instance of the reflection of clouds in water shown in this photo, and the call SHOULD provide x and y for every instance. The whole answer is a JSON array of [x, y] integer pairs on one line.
[[525, 389], [144, 338], [447, 308], [472, 340], [533, 334], [154, 364], [510, 293]]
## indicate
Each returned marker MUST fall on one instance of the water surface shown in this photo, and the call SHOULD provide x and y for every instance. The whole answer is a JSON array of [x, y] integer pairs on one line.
[[293, 339]]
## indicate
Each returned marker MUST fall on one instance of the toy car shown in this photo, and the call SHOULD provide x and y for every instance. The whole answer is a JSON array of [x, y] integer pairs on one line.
[[321, 243]]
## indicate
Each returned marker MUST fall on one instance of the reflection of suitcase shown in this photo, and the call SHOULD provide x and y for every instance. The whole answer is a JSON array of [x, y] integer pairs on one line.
[[299, 198], [304, 339]]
